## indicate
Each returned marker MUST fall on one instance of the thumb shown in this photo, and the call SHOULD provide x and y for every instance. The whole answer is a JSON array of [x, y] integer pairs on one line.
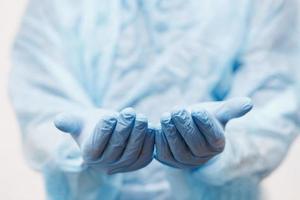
[[68, 123], [233, 108]]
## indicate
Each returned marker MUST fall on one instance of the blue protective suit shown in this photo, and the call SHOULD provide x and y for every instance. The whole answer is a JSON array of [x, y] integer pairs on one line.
[[153, 55]]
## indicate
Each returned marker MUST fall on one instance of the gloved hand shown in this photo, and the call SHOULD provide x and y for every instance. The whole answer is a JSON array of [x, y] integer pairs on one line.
[[190, 137], [110, 141]]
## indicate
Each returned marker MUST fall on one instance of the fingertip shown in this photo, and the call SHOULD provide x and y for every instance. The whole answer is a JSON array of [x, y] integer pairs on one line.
[[234, 108], [67, 123], [178, 112], [141, 118], [248, 105], [141, 123], [112, 115], [179, 115], [201, 115], [242, 105], [128, 113], [245, 103], [109, 121], [165, 118], [59, 122]]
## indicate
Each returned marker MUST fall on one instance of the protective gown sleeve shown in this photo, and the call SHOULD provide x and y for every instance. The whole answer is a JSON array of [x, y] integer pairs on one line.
[[43, 83], [258, 142]]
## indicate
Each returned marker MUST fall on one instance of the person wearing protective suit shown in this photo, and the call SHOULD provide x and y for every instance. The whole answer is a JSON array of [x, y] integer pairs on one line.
[[156, 99]]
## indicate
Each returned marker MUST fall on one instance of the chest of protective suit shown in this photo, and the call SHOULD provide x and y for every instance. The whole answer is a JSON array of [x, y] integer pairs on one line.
[[148, 53]]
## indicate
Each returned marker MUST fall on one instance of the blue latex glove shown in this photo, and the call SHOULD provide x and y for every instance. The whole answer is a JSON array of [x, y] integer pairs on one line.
[[113, 142], [190, 137]]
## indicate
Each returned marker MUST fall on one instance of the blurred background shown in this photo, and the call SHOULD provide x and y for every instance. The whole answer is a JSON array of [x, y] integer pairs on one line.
[[19, 182]]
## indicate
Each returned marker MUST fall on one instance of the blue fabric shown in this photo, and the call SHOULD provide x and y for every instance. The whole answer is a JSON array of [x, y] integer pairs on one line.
[[75, 56]]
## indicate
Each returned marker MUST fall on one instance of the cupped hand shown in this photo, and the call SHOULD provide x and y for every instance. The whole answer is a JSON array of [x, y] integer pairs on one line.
[[189, 137], [114, 142]]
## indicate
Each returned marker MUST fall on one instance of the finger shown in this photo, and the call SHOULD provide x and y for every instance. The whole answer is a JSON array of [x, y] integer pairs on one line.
[[145, 156], [233, 108], [178, 147], [134, 145], [95, 144], [68, 123], [210, 128], [164, 154], [189, 132], [119, 138]]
